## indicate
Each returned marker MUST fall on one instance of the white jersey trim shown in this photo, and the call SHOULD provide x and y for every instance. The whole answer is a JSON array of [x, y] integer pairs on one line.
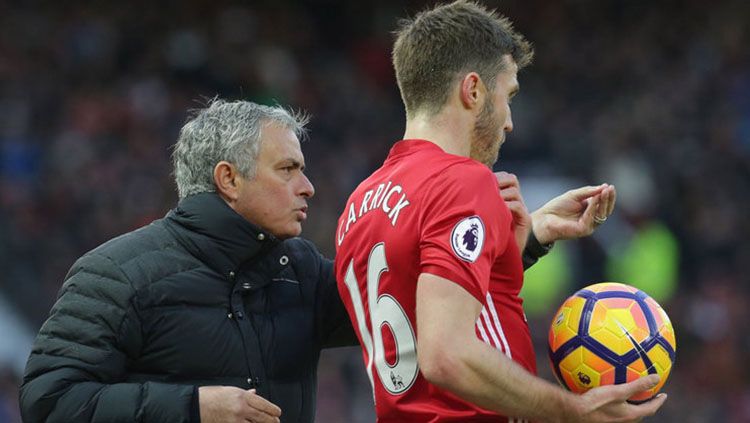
[[491, 330], [482, 332], [498, 326]]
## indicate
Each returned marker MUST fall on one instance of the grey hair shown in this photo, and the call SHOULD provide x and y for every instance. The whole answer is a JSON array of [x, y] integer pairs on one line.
[[229, 131]]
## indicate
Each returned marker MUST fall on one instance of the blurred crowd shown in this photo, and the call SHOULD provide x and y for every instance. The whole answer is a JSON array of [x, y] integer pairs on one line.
[[651, 96]]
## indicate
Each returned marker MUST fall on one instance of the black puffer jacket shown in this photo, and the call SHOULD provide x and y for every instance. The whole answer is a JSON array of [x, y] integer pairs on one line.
[[201, 297]]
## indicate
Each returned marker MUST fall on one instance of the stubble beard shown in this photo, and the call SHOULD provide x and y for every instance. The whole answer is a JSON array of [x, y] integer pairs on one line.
[[486, 136]]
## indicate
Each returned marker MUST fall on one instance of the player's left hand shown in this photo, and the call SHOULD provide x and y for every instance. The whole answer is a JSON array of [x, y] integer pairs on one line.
[[510, 190], [574, 214]]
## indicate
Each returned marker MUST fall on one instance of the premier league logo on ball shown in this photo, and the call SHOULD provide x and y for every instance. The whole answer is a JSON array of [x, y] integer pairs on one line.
[[467, 238]]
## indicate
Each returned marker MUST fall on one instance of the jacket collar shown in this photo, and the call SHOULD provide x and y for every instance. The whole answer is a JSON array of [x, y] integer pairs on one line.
[[216, 234]]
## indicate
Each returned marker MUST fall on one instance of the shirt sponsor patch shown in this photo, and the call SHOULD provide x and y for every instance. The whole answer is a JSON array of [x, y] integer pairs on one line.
[[467, 238]]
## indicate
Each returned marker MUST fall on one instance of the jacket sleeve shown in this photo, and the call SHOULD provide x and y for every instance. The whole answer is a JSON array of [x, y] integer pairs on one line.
[[534, 251], [78, 363], [333, 325]]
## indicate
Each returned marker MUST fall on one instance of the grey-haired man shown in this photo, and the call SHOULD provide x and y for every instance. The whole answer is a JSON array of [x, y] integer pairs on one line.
[[217, 311]]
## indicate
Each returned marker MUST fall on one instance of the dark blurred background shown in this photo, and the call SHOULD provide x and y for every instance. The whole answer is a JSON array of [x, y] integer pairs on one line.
[[653, 96]]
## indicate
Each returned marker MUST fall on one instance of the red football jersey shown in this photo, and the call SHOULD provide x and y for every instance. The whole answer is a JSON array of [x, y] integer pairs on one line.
[[426, 211]]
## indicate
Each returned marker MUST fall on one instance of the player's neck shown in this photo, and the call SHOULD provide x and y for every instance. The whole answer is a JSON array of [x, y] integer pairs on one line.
[[447, 130]]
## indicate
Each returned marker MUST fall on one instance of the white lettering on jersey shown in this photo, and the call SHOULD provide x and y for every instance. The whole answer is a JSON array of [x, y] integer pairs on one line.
[[384, 310], [378, 199], [363, 208], [351, 218], [386, 207], [393, 215]]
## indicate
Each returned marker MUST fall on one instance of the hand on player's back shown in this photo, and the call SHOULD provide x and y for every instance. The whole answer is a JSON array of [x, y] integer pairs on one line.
[[219, 404], [609, 403], [510, 190]]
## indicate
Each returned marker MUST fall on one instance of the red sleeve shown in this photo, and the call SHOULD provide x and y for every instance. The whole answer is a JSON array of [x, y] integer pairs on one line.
[[464, 226]]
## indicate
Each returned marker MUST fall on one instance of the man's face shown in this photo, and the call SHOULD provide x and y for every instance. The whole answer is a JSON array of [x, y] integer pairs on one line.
[[276, 198], [494, 119]]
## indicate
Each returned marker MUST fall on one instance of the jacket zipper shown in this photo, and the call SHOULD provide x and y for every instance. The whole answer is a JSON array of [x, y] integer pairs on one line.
[[236, 316]]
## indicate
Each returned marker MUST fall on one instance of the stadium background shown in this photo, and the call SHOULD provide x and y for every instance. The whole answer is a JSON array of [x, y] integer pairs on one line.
[[651, 96]]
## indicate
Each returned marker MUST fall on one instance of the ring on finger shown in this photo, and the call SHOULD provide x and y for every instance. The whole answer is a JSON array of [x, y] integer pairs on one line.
[[599, 220]]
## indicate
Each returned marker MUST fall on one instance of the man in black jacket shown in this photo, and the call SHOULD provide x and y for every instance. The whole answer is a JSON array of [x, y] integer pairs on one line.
[[218, 312], [201, 313]]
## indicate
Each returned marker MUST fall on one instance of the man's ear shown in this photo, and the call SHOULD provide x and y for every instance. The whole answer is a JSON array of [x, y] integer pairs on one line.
[[226, 179], [470, 92]]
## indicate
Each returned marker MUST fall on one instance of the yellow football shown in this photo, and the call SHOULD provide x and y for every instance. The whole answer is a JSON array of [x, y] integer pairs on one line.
[[611, 333]]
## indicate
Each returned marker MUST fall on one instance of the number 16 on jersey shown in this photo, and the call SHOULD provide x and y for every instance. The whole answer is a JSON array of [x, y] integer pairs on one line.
[[396, 377]]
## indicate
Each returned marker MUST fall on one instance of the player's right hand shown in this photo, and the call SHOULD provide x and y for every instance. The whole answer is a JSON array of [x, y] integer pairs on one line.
[[219, 404], [609, 403]]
